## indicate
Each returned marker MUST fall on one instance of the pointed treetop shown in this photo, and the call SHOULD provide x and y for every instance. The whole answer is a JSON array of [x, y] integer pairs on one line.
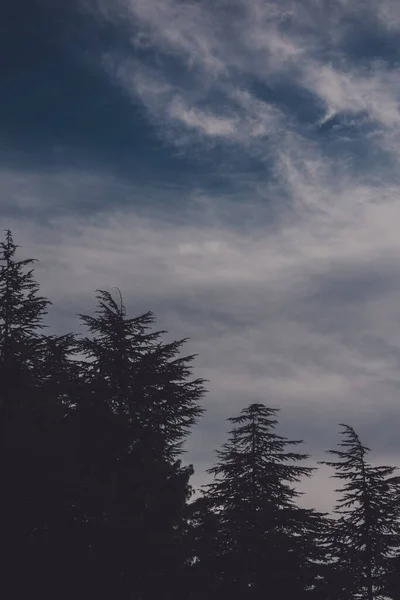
[[256, 457], [21, 307], [353, 453]]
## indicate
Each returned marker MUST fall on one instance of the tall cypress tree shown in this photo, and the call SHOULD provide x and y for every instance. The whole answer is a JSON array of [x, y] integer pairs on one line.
[[266, 542], [137, 408], [365, 536]]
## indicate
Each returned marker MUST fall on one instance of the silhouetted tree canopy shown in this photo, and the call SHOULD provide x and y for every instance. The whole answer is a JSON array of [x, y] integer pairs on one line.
[[265, 541], [365, 536], [96, 501]]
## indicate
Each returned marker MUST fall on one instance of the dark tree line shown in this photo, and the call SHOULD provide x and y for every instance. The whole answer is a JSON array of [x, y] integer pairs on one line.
[[96, 503]]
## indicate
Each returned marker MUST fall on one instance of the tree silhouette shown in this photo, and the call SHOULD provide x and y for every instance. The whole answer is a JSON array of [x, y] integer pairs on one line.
[[138, 406], [21, 319], [24, 453], [365, 535], [265, 540], [94, 493]]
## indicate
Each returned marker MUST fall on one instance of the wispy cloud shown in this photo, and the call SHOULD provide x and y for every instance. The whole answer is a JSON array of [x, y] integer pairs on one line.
[[299, 315], [255, 336], [373, 91], [209, 73]]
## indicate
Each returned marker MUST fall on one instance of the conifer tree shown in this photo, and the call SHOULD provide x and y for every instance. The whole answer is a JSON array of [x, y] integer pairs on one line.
[[365, 535], [266, 542], [21, 318], [24, 448], [93, 490], [138, 406]]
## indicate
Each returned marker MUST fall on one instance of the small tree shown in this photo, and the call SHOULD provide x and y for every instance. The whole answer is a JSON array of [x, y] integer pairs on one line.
[[365, 535]]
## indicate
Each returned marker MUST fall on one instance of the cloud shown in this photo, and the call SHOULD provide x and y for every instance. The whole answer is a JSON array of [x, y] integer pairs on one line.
[[374, 91], [300, 315], [204, 88], [286, 275], [261, 78]]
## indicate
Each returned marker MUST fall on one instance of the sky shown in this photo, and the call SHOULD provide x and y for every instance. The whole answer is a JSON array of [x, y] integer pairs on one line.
[[233, 166]]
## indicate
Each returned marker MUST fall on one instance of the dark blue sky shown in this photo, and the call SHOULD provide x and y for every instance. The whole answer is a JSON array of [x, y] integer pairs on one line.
[[61, 108]]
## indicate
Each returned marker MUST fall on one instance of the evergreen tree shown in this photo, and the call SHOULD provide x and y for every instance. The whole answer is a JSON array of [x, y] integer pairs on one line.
[[21, 318], [25, 453], [365, 536], [138, 404], [61, 546], [266, 543]]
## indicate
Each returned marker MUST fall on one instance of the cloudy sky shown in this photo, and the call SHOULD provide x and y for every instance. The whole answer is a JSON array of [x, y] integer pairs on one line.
[[234, 166]]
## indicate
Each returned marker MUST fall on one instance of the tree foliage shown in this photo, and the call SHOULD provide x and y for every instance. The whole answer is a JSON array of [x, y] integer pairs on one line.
[[265, 540], [365, 536]]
